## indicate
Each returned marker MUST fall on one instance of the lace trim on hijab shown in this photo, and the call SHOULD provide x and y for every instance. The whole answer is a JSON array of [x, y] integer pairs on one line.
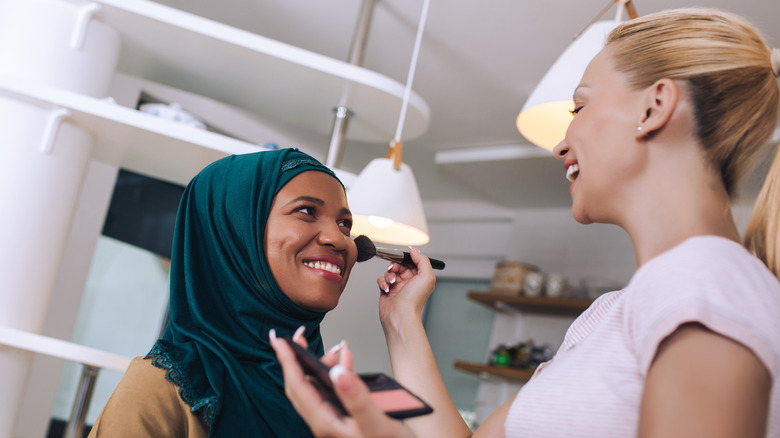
[[297, 162], [209, 406]]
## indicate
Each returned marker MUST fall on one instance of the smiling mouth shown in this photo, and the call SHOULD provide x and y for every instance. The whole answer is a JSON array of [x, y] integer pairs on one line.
[[572, 172], [324, 266]]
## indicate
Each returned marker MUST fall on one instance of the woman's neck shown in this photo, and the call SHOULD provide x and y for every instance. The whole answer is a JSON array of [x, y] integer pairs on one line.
[[675, 204], [667, 232]]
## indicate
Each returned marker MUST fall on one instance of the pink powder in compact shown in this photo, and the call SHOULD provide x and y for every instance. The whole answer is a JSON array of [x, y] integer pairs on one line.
[[394, 400]]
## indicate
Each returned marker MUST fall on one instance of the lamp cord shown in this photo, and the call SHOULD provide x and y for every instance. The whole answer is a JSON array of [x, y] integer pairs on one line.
[[412, 67]]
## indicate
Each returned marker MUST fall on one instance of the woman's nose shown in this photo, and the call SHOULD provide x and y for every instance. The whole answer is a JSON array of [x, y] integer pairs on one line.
[[560, 150], [333, 236]]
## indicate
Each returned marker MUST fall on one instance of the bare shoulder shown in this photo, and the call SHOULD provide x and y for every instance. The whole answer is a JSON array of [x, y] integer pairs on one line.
[[697, 375]]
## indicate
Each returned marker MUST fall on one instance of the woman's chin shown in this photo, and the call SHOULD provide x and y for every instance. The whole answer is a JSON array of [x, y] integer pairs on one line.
[[580, 215], [324, 305]]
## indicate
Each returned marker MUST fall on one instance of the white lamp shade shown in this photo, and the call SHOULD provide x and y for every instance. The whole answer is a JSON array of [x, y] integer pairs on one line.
[[386, 205], [546, 114]]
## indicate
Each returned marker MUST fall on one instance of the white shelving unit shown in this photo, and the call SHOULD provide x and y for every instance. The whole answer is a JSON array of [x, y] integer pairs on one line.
[[55, 128], [131, 139], [255, 73], [248, 71]]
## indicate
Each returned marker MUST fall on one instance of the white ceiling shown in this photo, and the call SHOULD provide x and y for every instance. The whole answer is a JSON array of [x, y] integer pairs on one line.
[[479, 61]]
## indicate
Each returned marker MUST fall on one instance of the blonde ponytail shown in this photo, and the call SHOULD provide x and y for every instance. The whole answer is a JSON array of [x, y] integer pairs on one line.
[[763, 232]]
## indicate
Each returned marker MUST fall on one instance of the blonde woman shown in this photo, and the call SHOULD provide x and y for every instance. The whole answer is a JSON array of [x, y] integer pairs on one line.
[[668, 117]]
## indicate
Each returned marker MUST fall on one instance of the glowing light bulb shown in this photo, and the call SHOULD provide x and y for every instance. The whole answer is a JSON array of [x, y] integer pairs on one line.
[[380, 222]]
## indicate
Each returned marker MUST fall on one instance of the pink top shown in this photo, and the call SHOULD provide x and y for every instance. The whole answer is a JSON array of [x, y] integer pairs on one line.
[[593, 386]]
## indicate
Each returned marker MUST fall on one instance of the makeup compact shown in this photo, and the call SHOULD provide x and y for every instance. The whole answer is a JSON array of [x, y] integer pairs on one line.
[[392, 398]]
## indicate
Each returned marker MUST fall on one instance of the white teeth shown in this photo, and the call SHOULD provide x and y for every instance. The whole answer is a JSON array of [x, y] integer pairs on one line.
[[324, 266], [572, 171]]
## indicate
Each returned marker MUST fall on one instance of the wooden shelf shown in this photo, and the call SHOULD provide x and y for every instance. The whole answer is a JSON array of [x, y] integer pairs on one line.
[[503, 302], [521, 375], [543, 305]]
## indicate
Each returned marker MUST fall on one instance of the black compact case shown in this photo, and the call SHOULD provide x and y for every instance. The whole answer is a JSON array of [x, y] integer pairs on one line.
[[394, 400]]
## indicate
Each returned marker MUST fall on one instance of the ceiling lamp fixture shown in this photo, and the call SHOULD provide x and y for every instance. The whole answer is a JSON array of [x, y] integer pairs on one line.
[[546, 114], [384, 198]]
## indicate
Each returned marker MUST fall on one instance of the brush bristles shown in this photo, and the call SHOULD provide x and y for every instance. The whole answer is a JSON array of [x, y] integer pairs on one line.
[[365, 247]]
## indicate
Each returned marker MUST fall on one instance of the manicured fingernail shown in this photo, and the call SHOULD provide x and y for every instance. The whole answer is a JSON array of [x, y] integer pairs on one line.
[[335, 372], [272, 334], [386, 289], [392, 280], [298, 333], [390, 267], [346, 385], [336, 348]]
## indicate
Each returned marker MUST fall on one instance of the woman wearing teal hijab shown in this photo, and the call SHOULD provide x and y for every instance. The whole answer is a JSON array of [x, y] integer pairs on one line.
[[261, 241]]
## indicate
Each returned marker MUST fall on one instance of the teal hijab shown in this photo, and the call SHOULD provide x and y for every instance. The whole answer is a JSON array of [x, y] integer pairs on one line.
[[224, 299]]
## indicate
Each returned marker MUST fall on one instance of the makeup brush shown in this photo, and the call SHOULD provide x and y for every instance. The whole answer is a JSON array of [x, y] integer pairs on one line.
[[367, 250]]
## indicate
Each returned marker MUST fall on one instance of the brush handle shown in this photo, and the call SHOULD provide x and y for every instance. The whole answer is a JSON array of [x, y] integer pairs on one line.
[[436, 263], [404, 258]]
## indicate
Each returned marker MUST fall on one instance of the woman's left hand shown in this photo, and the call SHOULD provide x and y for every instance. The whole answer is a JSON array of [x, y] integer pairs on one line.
[[365, 418]]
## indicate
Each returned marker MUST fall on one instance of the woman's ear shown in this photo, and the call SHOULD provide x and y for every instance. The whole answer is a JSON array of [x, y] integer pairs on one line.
[[660, 101]]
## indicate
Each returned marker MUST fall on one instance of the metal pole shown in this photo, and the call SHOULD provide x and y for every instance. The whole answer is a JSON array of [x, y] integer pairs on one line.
[[75, 427], [336, 148], [360, 37], [355, 56]]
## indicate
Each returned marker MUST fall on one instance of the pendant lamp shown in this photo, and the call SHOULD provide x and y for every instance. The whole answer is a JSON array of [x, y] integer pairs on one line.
[[386, 204], [546, 115], [384, 198]]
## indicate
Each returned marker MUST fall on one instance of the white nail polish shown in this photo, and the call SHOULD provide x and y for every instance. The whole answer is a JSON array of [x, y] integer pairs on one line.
[[272, 334], [386, 290], [336, 348], [392, 281], [336, 371], [299, 332]]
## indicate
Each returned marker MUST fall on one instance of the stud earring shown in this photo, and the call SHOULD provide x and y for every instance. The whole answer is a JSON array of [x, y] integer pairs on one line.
[[639, 128]]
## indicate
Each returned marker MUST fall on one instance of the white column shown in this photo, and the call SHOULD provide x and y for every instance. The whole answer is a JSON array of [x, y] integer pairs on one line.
[[43, 159]]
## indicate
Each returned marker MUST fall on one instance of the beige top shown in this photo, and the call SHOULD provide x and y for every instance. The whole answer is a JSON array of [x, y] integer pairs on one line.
[[146, 404]]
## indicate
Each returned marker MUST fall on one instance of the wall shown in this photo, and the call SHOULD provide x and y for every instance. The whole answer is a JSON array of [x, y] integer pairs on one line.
[[121, 312], [458, 330]]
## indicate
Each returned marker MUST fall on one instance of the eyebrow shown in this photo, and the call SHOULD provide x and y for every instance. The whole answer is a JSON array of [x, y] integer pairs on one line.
[[318, 202], [311, 199]]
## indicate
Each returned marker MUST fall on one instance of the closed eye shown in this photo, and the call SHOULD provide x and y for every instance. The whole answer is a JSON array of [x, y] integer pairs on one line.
[[575, 111]]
